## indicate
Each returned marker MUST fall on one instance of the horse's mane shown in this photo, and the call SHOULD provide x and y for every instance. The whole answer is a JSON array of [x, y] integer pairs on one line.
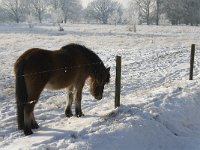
[[92, 56], [95, 63]]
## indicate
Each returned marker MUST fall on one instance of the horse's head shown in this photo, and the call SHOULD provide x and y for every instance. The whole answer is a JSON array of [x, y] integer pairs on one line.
[[98, 82]]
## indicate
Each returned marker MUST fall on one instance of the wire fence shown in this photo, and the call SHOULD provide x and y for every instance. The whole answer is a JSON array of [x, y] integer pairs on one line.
[[133, 67], [162, 69], [65, 69]]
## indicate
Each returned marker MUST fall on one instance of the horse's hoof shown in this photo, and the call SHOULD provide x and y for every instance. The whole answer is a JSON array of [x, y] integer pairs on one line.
[[27, 132], [35, 126], [80, 115], [68, 113], [20, 127]]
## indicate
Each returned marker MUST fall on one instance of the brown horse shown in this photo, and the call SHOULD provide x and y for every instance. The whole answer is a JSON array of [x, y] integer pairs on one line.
[[68, 68]]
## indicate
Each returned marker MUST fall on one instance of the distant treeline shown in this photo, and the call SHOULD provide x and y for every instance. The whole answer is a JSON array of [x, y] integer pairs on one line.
[[101, 11]]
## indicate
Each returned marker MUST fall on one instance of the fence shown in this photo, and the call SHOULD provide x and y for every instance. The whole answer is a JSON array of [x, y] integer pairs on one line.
[[118, 73]]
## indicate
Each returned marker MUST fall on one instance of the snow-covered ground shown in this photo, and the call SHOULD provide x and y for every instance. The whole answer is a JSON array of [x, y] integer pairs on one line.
[[160, 107]]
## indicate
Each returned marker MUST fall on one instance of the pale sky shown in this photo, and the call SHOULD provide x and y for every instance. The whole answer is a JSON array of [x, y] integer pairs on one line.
[[124, 2]]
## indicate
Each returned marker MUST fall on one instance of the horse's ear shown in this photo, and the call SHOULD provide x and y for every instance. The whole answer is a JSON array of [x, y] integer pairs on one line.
[[108, 69]]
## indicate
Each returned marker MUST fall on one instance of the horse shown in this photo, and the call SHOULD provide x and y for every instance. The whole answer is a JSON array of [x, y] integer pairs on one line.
[[69, 67]]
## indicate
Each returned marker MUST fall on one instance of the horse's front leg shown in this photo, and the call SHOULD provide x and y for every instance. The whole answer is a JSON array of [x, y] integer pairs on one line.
[[68, 110], [78, 98]]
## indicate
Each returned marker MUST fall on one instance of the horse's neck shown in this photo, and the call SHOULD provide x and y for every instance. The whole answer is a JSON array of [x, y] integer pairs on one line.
[[97, 71]]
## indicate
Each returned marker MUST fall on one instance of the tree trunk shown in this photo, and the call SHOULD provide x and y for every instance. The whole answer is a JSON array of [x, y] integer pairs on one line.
[[40, 17], [17, 20], [65, 19], [105, 21], [148, 12], [16, 17], [157, 11]]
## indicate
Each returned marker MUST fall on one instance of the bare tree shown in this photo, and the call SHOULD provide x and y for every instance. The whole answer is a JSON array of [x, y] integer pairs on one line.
[[133, 16], [174, 11], [191, 11], [114, 18], [183, 11], [158, 7], [39, 8], [14, 9], [146, 7], [101, 10], [71, 9], [54, 3], [3, 14]]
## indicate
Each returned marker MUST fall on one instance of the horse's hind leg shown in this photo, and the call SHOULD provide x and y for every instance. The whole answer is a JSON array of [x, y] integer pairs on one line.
[[34, 88], [29, 119], [20, 110], [34, 124], [28, 114], [68, 110], [20, 116]]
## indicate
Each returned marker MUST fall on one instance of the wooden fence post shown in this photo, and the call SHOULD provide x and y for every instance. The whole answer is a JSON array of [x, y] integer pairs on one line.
[[118, 81], [192, 61]]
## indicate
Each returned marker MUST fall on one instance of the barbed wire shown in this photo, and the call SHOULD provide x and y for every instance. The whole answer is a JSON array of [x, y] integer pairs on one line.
[[134, 65], [58, 69], [146, 85], [156, 58], [160, 72], [54, 70]]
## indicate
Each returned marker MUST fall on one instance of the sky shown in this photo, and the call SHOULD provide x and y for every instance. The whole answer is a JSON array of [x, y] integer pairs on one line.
[[124, 2]]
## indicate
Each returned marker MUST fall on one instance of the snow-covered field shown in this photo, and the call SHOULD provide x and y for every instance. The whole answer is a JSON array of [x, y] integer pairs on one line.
[[160, 107]]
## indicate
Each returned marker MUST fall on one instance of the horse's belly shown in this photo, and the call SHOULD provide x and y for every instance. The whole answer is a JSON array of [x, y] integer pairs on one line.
[[54, 86], [50, 86]]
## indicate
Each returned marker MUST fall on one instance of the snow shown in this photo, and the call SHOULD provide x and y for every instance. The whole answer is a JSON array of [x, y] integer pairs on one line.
[[160, 106]]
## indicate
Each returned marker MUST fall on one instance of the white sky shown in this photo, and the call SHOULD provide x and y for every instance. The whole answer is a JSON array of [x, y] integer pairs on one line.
[[124, 2]]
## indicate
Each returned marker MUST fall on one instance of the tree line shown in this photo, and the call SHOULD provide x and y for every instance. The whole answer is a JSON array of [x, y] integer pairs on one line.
[[101, 11]]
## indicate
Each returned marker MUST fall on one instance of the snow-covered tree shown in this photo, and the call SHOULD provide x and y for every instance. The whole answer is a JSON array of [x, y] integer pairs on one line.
[[101, 10], [191, 12], [39, 7], [3, 14], [14, 9], [158, 11], [114, 18], [174, 10], [30, 19], [57, 16], [146, 8], [71, 9], [133, 16], [55, 4]]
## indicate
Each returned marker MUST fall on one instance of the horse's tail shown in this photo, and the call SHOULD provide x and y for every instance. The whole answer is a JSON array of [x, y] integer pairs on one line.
[[21, 92]]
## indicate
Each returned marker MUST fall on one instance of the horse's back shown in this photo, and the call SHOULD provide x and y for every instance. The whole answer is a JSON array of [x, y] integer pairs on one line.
[[37, 63], [36, 59]]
